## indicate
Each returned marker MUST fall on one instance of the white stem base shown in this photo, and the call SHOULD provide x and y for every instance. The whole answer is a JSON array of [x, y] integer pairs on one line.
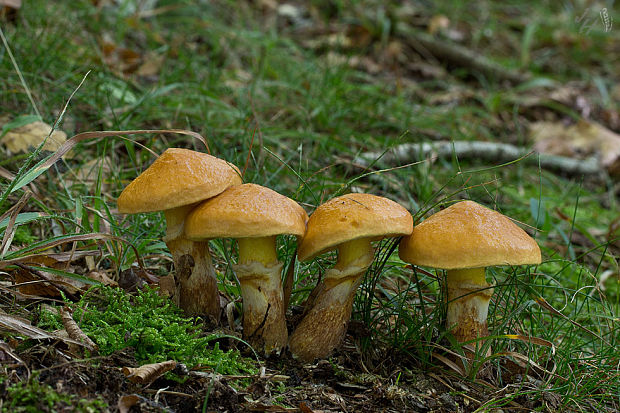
[[264, 324], [468, 304]]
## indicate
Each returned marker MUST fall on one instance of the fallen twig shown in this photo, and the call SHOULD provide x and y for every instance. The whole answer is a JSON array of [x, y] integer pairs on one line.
[[498, 152], [458, 55]]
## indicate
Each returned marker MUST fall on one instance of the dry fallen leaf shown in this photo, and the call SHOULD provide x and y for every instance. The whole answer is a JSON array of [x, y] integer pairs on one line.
[[437, 23], [74, 331], [46, 284], [102, 277], [167, 286], [128, 61], [24, 138], [88, 173], [579, 141], [120, 59], [148, 372], [23, 328], [151, 64], [125, 403]]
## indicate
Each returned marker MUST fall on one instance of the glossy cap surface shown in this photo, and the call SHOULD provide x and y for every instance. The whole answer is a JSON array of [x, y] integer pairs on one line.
[[178, 177], [353, 216], [246, 211], [468, 235]]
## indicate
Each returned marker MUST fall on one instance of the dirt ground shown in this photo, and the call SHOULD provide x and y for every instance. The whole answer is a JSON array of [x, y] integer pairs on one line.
[[344, 383]]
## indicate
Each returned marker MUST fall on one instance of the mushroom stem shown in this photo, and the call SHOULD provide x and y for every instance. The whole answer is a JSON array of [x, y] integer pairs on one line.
[[259, 273], [468, 303], [195, 278], [260, 249], [351, 251], [324, 326]]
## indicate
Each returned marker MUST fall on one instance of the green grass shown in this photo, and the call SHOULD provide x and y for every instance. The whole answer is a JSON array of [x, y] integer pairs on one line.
[[235, 79]]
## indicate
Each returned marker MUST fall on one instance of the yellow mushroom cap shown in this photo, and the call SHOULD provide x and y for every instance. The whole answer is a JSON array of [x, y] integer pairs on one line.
[[350, 217], [178, 177], [468, 235], [246, 211]]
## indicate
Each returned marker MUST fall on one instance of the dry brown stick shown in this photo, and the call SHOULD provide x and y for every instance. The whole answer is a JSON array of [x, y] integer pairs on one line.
[[457, 54]]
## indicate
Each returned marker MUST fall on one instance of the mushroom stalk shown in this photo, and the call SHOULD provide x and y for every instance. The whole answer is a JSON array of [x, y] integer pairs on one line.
[[196, 284], [259, 273], [324, 326], [468, 303]]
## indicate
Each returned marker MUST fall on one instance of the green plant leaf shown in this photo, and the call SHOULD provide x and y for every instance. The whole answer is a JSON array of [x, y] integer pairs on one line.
[[18, 122], [23, 218]]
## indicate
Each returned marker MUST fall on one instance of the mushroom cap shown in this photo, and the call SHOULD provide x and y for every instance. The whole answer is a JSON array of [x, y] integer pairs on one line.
[[350, 217], [468, 235], [246, 211], [178, 177]]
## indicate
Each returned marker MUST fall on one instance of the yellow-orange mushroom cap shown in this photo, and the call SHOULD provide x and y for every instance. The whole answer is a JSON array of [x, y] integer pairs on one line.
[[468, 235], [350, 217], [178, 177]]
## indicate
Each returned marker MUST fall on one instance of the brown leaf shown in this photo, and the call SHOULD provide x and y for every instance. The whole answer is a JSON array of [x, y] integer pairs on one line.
[[74, 331], [304, 408], [120, 59], [437, 23], [29, 136], [25, 273], [579, 140], [151, 65], [24, 328], [125, 403], [33, 285], [102, 277], [148, 372], [87, 173], [167, 286]]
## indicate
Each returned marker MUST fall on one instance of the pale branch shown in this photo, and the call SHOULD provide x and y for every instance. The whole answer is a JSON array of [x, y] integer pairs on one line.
[[491, 151]]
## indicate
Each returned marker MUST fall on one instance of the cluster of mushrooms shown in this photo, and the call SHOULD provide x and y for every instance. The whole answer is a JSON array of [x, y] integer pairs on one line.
[[203, 198]]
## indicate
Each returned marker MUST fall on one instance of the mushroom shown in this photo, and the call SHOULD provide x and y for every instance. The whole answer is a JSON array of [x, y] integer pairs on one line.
[[174, 184], [253, 215], [464, 239], [347, 223]]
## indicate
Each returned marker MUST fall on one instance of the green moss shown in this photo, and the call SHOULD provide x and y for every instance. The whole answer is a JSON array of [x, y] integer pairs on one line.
[[153, 327], [33, 396]]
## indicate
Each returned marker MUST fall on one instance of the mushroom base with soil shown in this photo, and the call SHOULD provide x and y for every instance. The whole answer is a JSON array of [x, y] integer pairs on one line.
[[324, 326], [260, 277], [468, 298], [196, 284]]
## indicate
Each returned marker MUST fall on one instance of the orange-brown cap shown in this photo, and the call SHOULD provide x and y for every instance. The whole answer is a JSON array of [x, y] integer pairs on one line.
[[246, 211], [468, 235], [178, 177], [353, 216]]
